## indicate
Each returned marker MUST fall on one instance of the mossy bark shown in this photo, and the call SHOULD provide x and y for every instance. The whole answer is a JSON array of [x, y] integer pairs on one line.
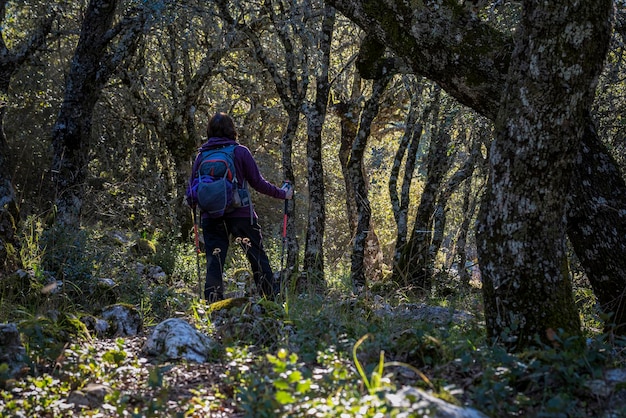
[[546, 86], [95, 59], [316, 113]]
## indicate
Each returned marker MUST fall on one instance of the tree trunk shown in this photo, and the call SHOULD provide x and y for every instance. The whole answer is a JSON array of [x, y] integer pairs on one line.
[[409, 145], [316, 113], [467, 209], [596, 224], [359, 184], [71, 132], [471, 61], [522, 222], [463, 174], [348, 112], [92, 66], [414, 267], [292, 92], [291, 243]]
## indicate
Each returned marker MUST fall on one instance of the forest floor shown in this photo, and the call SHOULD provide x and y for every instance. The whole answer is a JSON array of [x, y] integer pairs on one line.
[[336, 354]]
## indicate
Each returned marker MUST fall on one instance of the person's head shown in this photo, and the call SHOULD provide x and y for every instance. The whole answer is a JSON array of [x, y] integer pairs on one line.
[[221, 126]]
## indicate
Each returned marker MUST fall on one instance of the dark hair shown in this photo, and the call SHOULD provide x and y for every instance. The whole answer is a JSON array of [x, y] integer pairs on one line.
[[221, 126]]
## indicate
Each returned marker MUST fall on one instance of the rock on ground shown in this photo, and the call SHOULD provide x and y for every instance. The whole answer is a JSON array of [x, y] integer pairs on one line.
[[174, 338], [12, 352], [123, 320]]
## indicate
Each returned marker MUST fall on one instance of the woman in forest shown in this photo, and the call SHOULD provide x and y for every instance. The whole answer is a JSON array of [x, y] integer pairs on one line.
[[240, 222]]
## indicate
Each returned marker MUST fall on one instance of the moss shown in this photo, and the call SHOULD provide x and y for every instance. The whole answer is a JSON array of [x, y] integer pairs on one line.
[[144, 247], [228, 304]]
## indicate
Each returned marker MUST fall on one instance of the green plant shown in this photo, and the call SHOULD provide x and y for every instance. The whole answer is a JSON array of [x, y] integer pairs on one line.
[[66, 256], [376, 381]]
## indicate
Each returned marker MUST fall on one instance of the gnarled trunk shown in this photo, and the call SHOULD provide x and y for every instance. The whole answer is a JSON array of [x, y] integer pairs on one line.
[[93, 64], [522, 224], [596, 224], [472, 62]]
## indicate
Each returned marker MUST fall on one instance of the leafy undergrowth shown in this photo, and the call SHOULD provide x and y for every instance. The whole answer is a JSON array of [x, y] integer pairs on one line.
[[303, 355]]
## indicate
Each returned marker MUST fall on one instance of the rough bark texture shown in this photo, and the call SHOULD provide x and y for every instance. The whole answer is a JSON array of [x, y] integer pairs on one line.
[[471, 61], [92, 66], [522, 246], [409, 145], [596, 224], [315, 113], [440, 40], [414, 267], [359, 184]]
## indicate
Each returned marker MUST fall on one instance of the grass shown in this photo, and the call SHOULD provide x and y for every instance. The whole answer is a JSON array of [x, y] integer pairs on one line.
[[320, 355]]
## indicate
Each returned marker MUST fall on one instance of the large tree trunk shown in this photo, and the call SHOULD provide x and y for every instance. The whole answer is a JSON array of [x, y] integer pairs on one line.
[[471, 61], [522, 246], [71, 132], [92, 66], [596, 224]]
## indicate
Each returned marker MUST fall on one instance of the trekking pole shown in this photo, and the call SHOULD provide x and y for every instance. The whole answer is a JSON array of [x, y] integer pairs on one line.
[[197, 242], [285, 216]]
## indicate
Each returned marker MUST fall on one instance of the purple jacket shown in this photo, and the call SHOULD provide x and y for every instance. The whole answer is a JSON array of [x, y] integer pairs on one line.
[[246, 170]]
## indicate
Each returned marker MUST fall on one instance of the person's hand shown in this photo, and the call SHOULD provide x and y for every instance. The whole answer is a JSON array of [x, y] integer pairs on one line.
[[289, 190]]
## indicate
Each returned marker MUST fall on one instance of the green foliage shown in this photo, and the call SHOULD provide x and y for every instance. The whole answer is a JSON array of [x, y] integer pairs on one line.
[[376, 382], [541, 382], [277, 381], [295, 367], [65, 256], [45, 335]]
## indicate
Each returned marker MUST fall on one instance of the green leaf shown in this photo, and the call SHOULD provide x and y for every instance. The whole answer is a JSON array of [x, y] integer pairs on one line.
[[284, 397], [304, 386]]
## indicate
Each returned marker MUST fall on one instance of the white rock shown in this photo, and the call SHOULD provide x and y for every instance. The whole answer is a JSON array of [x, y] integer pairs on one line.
[[174, 338], [428, 405]]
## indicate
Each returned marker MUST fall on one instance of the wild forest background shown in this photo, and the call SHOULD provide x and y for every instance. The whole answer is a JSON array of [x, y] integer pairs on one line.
[[105, 102]]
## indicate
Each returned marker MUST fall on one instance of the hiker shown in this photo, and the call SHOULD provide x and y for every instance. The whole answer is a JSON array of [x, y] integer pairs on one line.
[[240, 223]]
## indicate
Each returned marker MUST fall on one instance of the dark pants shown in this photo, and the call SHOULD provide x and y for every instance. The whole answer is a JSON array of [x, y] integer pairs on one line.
[[217, 234]]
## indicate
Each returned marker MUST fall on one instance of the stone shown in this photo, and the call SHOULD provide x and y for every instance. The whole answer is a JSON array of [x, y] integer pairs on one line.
[[91, 396], [12, 352], [124, 320], [420, 403], [174, 339]]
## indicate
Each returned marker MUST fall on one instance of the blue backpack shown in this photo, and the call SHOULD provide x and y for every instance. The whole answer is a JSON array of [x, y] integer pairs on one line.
[[217, 190]]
